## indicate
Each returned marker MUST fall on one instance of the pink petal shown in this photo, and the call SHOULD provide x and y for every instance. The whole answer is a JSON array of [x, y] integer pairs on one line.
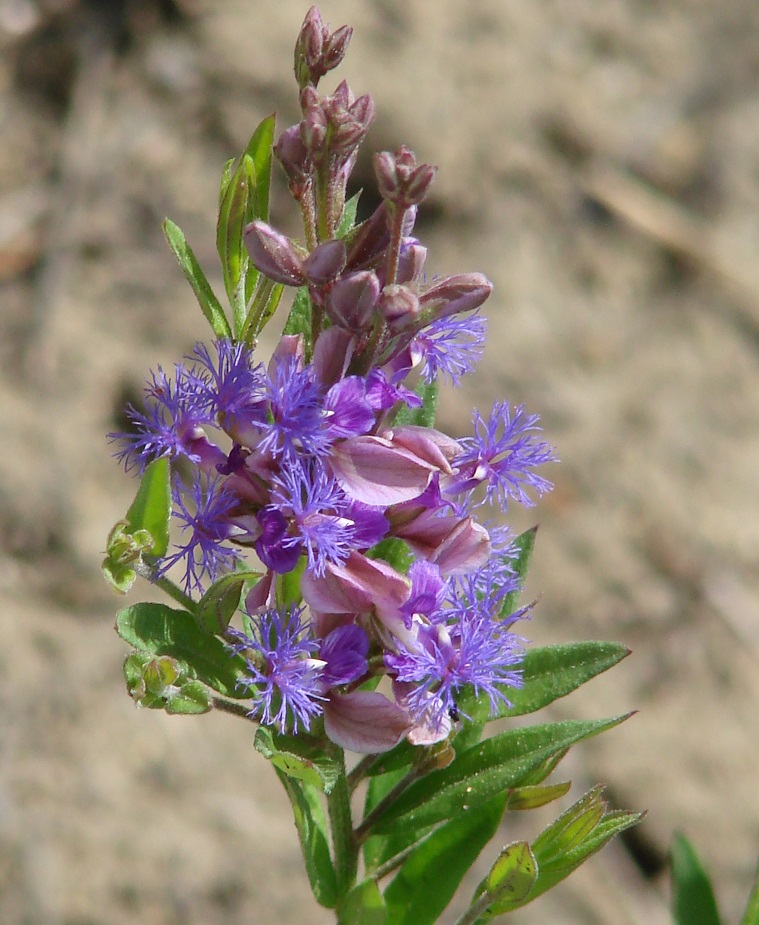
[[374, 471], [365, 721]]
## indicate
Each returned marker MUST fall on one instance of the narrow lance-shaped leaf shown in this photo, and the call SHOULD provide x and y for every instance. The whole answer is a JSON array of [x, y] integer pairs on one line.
[[151, 508], [499, 763], [548, 673], [365, 906], [429, 877], [191, 268], [348, 218], [230, 239], [751, 914], [693, 901], [524, 544], [312, 832]]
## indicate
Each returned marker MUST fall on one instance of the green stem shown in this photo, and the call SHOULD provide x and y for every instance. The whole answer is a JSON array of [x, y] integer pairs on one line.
[[475, 910], [343, 844], [364, 830], [359, 772], [236, 709], [148, 572]]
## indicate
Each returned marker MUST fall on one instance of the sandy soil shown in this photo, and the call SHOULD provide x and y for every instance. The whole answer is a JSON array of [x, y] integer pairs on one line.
[[599, 163]]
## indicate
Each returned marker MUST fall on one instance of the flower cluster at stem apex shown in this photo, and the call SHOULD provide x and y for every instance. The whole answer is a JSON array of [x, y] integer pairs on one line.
[[316, 464]]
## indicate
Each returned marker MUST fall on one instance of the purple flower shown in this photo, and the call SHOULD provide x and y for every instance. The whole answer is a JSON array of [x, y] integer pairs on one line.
[[284, 672], [503, 455], [449, 346], [231, 385], [295, 416], [471, 651], [172, 424], [206, 526], [344, 650], [314, 503]]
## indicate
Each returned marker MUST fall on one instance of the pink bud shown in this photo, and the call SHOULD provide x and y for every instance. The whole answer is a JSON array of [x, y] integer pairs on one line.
[[325, 262], [370, 241], [292, 154], [332, 354], [461, 293], [353, 298], [336, 46], [456, 545], [399, 305], [410, 261], [274, 254]]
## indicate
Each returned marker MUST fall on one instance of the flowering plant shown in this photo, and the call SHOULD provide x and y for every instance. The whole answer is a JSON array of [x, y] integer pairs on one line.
[[334, 578]]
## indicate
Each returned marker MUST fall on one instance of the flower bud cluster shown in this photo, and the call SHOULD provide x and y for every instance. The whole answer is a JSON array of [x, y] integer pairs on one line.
[[317, 465]]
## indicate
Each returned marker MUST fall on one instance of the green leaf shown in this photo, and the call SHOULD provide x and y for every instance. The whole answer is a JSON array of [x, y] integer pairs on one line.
[[533, 795], [220, 602], [230, 239], [348, 218], [510, 879], [499, 763], [524, 545], [299, 319], [160, 630], [572, 827], [196, 278], [245, 198], [430, 875], [364, 905], [226, 175], [751, 915], [380, 848], [395, 552], [693, 901], [151, 508], [262, 307], [312, 832], [288, 584], [424, 416], [549, 673], [259, 150], [298, 757]]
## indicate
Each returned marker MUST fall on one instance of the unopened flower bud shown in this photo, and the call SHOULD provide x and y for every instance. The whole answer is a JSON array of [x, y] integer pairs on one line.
[[274, 254], [410, 261], [293, 155], [308, 47], [368, 242], [399, 178], [353, 299], [325, 262], [399, 305], [318, 51], [336, 46], [461, 293]]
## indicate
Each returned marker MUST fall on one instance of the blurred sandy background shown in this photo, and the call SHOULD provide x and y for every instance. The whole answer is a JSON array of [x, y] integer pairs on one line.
[[600, 163]]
